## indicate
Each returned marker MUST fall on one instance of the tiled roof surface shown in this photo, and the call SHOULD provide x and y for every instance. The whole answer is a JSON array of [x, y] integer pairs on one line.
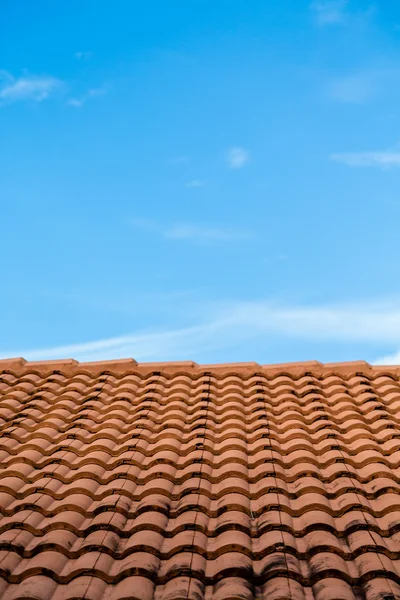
[[175, 481]]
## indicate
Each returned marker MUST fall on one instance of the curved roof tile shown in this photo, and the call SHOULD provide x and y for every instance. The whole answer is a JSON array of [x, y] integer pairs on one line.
[[157, 481]]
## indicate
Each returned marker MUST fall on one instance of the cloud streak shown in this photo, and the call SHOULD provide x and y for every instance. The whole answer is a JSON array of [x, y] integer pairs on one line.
[[329, 12], [364, 85], [93, 93], [237, 157], [195, 183], [29, 87], [83, 55], [355, 88], [382, 160], [388, 359], [193, 232], [221, 326], [190, 232]]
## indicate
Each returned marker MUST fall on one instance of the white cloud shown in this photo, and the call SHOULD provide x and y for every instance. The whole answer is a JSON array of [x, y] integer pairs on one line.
[[378, 322], [28, 87], [196, 233], [223, 325], [195, 183], [354, 89], [75, 102], [237, 157], [389, 359], [330, 12], [383, 160], [145, 346], [83, 55], [93, 93], [187, 231], [364, 85]]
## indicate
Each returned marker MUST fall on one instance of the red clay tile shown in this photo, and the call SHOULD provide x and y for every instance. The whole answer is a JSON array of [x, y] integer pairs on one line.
[[178, 481]]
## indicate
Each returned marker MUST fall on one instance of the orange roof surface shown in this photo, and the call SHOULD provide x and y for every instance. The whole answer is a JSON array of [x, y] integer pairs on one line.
[[173, 481]]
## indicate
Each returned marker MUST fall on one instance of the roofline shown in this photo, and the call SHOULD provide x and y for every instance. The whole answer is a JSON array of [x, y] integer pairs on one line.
[[70, 367]]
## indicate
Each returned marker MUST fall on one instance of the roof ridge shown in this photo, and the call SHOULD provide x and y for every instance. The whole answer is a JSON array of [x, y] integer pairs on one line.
[[70, 366]]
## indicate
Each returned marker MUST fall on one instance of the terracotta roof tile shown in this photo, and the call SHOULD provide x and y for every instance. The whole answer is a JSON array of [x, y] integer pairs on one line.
[[159, 481]]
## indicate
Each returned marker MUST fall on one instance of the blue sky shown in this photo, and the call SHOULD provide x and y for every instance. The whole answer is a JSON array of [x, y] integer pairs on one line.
[[200, 179]]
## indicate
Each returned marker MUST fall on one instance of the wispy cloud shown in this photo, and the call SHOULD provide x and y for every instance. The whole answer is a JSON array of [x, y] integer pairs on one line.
[[190, 232], [388, 359], [330, 12], [237, 157], [356, 88], [364, 85], [27, 87], [226, 324], [196, 233], [83, 55], [195, 183], [382, 160], [141, 346], [93, 93]]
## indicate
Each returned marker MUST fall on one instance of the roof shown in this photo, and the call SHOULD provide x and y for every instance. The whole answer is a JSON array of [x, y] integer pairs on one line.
[[172, 481]]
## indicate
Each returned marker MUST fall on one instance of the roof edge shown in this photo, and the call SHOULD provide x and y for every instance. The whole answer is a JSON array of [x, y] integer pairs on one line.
[[70, 366]]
